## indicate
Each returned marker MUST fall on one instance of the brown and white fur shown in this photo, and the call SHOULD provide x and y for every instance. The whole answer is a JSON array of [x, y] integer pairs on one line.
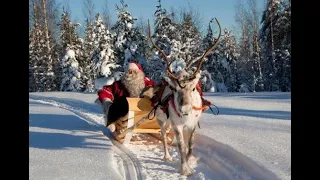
[[184, 100]]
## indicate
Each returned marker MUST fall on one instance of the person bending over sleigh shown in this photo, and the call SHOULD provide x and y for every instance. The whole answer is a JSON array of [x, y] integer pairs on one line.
[[133, 83]]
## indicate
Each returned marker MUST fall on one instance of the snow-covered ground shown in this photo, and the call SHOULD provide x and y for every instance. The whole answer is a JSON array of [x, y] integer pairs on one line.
[[249, 139]]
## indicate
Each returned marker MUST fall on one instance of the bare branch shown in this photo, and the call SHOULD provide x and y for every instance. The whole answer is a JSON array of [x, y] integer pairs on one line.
[[106, 16], [88, 10]]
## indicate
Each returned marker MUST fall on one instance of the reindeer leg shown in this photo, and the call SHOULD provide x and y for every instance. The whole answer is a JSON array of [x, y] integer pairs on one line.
[[185, 168], [167, 156], [190, 144]]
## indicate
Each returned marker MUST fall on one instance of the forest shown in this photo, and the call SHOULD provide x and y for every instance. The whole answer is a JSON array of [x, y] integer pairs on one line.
[[256, 58]]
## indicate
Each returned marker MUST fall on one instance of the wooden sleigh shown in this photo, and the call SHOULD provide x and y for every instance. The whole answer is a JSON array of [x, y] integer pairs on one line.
[[138, 109]]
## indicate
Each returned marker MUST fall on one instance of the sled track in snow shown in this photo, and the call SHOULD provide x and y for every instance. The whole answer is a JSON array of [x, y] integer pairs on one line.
[[227, 162], [131, 165], [130, 162], [215, 161]]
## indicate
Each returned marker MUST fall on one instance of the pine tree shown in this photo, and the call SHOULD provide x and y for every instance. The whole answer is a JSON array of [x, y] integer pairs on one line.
[[271, 43], [72, 46], [129, 41], [88, 49], [209, 64], [283, 50], [40, 64], [68, 34], [215, 63], [165, 37], [190, 39], [41, 74], [71, 72], [231, 55], [103, 57], [34, 57]]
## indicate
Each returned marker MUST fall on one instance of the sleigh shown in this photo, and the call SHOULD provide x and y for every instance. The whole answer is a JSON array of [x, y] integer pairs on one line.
[[140, 119]]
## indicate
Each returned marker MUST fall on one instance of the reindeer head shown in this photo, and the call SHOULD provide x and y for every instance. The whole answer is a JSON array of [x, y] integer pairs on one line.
[[184, 83], [184, 90]]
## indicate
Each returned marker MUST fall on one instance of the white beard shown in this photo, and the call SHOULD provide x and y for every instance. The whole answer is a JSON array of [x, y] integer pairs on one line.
[[134, 83]]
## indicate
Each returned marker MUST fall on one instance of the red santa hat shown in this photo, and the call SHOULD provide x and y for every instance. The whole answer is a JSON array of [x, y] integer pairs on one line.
[[134, 66]]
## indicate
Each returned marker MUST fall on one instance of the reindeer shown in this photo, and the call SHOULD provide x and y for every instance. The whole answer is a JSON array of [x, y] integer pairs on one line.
[[184, 107]]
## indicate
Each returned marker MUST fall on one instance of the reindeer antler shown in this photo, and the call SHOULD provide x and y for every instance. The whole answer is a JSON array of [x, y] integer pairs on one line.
[[207, 52], [163, 54], [201, 60]]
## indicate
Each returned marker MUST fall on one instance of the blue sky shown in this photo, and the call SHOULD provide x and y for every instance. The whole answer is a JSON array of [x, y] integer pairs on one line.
[[223, 10]]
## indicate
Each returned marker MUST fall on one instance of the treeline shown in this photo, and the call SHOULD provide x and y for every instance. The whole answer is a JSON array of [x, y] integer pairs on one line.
[[258, 59]]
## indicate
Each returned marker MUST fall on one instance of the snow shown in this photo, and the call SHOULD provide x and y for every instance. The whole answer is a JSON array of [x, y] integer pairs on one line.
[[105, 68], [244, 88], [177, 66], [249, 139], [117, 75], [103, 81], [74, 64], [129, 25], [70, 54], [64, 146], [225, 63], [212, 89], [71, 71]]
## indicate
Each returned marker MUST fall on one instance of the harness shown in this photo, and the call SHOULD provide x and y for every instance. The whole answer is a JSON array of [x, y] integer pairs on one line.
[[164, 104]]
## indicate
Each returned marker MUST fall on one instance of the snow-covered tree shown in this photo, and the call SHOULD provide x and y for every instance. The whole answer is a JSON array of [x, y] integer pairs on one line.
[[34, 57], [71, 72], [165, 37], [283, 47], [104, 63], [190, 39], [129, 42], [155, 68], [165, 30], [68, 34], [244, 65], [207, 82], [87, 63], [229, 61], [69, 37], [73, 58], [41, 74], [275, 34], [250, 64], [215, 63]]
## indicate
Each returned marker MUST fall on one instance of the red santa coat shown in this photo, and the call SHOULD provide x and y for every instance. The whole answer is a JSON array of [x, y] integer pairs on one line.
[[117, 90]]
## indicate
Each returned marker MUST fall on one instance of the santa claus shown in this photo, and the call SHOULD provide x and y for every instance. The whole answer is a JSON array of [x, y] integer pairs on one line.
[[132, 84]]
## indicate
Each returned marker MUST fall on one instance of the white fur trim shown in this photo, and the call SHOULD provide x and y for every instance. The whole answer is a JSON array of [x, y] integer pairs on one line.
[[133, 66]]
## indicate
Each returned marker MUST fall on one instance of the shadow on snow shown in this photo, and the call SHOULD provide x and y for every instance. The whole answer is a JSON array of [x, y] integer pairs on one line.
[[283, 115]]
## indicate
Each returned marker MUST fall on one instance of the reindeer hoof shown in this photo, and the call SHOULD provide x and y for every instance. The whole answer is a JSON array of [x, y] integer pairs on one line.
[[168, 159], [186, 170]]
